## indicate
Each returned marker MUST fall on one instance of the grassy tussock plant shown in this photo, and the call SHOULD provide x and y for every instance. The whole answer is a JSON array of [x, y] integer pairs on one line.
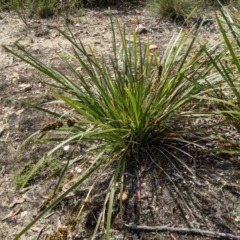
[[43, 8], [130, 106], [174, 9]]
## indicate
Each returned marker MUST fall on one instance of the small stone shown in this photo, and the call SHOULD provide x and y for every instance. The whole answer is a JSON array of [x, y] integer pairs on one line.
[[23, 78], [141, 29], [153, 47], [66, 148], [23, 214], [19, 112], [124, 196], [25, 87], [41, 33]]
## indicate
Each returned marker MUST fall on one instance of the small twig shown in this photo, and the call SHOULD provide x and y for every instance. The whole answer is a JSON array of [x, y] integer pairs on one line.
[[101, 216], [49, 215], [12, 213], [39, 233], [156, 28], [183, 230], [172, 236]]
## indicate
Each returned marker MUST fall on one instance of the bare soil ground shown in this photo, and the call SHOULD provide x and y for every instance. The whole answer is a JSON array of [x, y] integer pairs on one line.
[[209, 202]]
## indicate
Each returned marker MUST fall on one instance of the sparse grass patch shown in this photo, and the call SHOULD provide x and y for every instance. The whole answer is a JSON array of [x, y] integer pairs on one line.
[[181, 10], [41, 8], [50, 167], [21, 175], [7, 101]]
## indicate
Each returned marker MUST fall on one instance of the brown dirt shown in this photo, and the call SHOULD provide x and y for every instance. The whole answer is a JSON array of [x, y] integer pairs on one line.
[[212, 201]]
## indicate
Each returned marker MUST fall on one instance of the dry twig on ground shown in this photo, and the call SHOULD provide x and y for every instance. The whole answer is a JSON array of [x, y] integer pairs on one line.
[[183, 230]]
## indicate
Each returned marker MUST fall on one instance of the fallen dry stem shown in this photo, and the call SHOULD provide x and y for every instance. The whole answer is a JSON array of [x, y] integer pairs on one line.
[[183, 230]]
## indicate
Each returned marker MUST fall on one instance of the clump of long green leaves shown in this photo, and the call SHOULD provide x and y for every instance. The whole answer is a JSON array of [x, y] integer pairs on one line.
[[225, 92], [130, 104]]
